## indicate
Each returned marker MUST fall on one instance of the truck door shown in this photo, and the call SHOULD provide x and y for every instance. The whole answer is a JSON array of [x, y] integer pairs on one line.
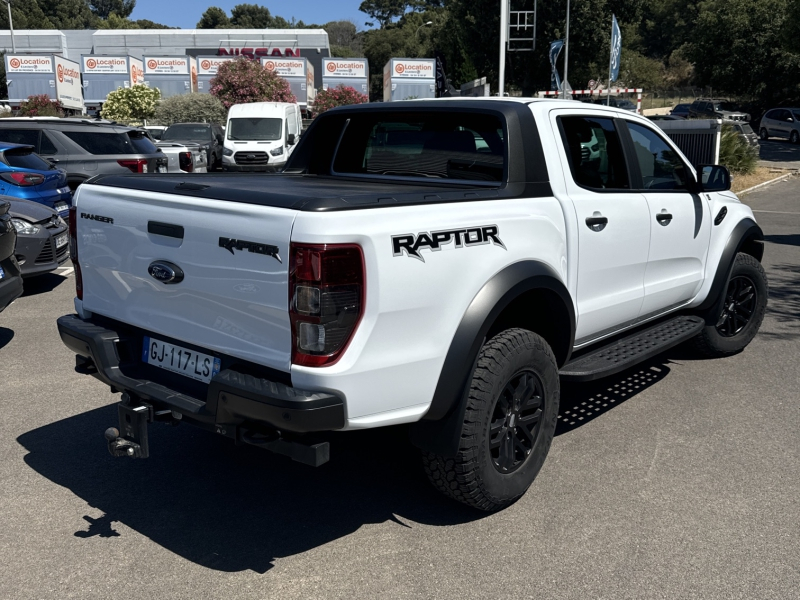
[[613, 227], [680, 222]]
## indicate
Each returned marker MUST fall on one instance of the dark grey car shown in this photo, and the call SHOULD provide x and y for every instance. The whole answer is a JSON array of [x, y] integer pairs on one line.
[[42, 236], [208, 136], [706, 108], [85, 148], [10, 280]]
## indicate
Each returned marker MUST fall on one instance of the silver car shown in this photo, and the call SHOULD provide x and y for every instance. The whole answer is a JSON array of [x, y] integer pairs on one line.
[[781, 123]]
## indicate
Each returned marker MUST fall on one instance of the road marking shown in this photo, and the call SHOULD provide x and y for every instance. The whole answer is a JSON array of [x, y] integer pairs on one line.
[[776, 212], [66, 271]]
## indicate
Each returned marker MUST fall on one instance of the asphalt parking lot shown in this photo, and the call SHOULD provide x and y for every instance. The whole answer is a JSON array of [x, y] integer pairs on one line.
[[678, 479]]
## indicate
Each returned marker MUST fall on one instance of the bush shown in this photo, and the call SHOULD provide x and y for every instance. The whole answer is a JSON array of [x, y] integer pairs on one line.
[[243, 81], [338, 96], [135, 103], [735, 153], [40, 106], [191, 108]]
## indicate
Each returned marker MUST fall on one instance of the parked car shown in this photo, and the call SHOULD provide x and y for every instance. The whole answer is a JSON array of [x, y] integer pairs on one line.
[[184, 157], [209, 136], [706, 108], [85, 148], [781, 123], [617, 103], [155, 131], [10, 278], [744, 130], [260, 136], [42, 237], [24, 174], [681, 111]]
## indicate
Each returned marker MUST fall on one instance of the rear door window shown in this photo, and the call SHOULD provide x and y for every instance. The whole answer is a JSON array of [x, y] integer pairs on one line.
[[463, 146], [102, 142]]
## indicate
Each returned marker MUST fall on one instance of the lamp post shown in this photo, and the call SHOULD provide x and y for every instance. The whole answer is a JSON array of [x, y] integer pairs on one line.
[[416, 33], [11, 26]]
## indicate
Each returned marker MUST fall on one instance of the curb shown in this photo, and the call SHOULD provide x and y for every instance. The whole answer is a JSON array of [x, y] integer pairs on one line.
[[766, 183]]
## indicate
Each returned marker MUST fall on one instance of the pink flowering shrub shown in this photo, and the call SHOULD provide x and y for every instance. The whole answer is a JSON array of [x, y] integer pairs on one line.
[[338, 96], [242, 81], [40, 106]]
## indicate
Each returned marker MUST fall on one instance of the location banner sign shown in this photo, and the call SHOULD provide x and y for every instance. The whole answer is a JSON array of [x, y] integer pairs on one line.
[[207, 65], [417, 69], [337, 67], [105, 64], [21, 63], [285, 67], [166, 65], [68, 83]]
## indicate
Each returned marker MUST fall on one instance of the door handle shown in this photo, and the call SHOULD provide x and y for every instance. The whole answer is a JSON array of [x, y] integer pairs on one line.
[[664, 218], [596, 222]]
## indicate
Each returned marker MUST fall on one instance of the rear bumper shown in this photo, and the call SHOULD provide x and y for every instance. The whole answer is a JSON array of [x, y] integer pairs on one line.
[[233, 399]]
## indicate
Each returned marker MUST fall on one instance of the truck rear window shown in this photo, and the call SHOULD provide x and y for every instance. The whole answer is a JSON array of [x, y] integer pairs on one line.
[[463, 146]]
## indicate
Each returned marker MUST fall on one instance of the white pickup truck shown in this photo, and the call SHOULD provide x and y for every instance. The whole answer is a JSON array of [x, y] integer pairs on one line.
[[444, 264]]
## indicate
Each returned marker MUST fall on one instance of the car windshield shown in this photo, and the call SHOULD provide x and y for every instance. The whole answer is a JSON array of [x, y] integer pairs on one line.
[[255, 129], [24, 158], [796, 114], [155, 133], [184, 132], [728, 106], [746, 128]]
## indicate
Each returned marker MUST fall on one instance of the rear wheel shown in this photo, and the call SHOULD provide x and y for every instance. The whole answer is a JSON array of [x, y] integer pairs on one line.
[[739, 315], [762, 133], [508, 425], [795, 137]]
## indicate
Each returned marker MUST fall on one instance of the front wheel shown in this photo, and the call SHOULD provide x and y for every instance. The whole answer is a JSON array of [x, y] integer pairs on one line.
[[740, 313], [508, 425], [763, 134]]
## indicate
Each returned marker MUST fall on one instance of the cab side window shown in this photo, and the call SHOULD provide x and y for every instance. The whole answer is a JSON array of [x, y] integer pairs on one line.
[[595, 153], [659, 164]]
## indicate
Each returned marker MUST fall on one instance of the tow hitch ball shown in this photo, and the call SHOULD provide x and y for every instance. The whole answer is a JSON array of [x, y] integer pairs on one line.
[[131, 437]]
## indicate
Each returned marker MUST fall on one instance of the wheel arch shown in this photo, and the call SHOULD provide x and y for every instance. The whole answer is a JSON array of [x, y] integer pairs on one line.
[[527, 294]]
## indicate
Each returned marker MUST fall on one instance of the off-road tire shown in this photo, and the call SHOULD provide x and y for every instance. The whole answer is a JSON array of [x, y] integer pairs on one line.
[[471, 476], [710, 342], [763, 134]]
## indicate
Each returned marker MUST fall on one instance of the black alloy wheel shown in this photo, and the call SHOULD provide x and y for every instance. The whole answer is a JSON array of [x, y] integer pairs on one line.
[[740, 303], [515, 422]]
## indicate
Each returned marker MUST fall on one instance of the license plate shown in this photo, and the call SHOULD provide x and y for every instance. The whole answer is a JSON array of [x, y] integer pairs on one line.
[[195, 365], [62, 240], [61, 206]]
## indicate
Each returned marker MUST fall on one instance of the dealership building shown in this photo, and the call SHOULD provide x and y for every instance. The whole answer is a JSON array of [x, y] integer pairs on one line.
[[172, 53]]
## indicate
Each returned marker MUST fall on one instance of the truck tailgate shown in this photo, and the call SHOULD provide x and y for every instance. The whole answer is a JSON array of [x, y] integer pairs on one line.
[[233, 297]]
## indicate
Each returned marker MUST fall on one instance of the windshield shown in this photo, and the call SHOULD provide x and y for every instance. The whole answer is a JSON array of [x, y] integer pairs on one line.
[[254, 129], [730, 107], [155, 133], [192, 133]]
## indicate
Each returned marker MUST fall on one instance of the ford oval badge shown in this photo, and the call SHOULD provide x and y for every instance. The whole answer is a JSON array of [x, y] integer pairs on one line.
[[165, 272]]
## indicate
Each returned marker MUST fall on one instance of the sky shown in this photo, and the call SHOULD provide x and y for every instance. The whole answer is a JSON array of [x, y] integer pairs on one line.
[[186, 13]]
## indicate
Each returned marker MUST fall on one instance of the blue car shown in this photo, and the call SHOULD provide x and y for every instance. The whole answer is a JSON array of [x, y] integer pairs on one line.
[[24, 174]]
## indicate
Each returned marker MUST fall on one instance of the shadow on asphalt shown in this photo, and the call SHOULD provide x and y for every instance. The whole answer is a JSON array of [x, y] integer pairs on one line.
[[6, 335], [235, 508], [786, 240], [784, 298], [778, 151], [33, 286]]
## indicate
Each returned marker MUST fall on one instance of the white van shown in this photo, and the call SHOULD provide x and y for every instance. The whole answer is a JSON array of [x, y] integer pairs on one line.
[[260, 136]]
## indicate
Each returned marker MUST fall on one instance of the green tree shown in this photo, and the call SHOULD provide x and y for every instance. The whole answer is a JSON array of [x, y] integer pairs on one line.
[[26, 14], [242, 81], [191, 108], [214, 18], [104, 8], [251, 16], [68, 14], [133, 104], [384, 11]]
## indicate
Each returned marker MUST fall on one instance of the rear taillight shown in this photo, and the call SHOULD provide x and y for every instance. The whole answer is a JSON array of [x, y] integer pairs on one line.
[[185, 161], [73, 251], [326, 300], [23, 179], [136, 165]]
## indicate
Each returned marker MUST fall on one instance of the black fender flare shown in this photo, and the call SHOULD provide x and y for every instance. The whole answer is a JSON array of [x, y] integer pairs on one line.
[[440, 428], [746, 231]]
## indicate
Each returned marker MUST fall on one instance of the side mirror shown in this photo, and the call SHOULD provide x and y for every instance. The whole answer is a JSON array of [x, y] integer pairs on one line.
[[291, 139], [714, 178]]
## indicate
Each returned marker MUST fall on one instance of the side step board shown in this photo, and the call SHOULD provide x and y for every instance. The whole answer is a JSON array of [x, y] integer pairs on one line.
[[631, 350]]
